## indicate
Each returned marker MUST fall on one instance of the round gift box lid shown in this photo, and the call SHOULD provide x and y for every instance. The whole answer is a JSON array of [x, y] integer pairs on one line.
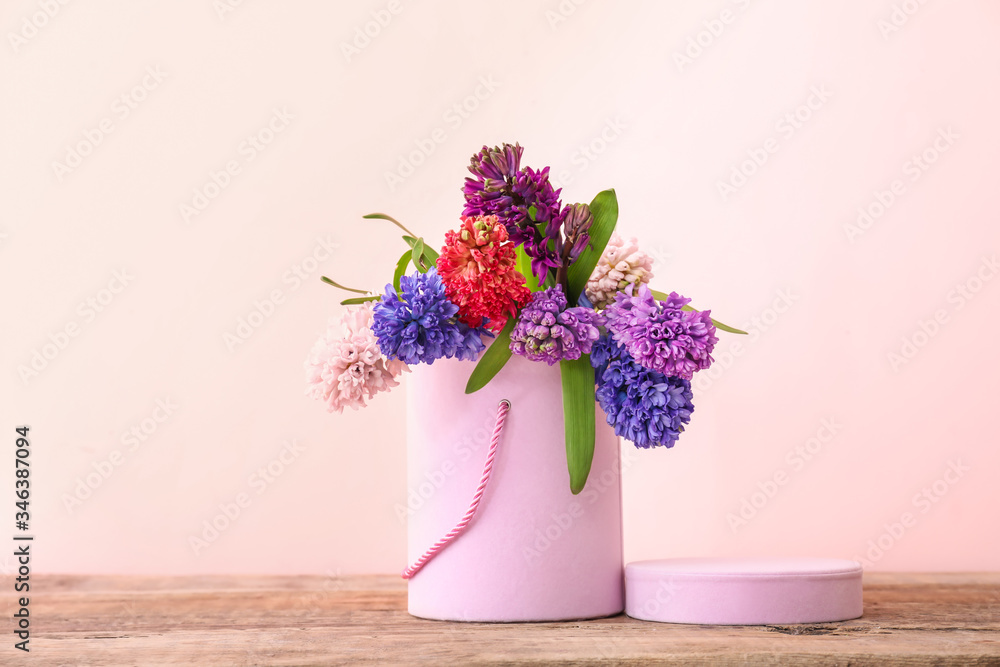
[[743, 591]]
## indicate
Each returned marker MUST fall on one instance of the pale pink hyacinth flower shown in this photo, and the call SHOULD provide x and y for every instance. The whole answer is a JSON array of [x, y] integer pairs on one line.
[[345, 366], [622, 264]]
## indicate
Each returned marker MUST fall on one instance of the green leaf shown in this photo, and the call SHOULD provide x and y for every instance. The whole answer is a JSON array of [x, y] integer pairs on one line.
[[401, 269], [429, 255], [339, 286], [524, 266], [492, 361], [360, 299], [533, 212], [578, 416], [418, 256], [725, 327], [660, 296], [383, 216], [605, 210]]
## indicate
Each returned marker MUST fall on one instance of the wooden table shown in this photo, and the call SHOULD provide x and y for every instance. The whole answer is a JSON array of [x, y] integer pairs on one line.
[[910, 619]]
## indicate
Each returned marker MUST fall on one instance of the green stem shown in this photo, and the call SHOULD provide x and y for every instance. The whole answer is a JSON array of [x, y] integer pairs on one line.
[[562, 279], [562, 274]]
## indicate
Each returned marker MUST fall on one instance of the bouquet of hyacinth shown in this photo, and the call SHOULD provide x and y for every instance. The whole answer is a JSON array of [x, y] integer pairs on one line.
[[549, 281]]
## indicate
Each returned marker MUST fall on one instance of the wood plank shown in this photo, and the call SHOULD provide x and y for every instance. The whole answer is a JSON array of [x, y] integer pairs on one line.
[[910, 619]]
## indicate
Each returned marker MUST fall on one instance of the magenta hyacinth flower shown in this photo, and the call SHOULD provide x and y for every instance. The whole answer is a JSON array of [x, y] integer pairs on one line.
[[522, 198]]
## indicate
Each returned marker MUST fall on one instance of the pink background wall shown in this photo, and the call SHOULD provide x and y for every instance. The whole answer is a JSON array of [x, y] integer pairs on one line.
[[162, 95]]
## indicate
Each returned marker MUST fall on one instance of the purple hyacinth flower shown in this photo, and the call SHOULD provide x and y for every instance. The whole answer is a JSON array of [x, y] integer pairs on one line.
[[577, 221], [660, 335], [549, 331], [646, 407]]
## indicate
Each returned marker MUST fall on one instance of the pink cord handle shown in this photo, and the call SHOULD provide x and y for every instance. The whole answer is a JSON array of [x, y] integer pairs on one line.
[[460, 527]]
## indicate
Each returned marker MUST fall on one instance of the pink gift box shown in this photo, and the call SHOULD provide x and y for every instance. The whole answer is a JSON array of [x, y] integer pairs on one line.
[[744, 591], [534, 551]]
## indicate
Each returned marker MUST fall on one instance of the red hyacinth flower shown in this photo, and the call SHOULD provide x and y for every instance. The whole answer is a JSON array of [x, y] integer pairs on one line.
[[477, 266]]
